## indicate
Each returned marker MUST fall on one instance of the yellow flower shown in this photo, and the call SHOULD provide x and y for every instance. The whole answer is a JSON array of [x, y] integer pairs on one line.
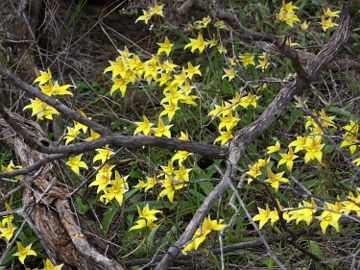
[[274, 148], [145, 17], [102, 180], [75, 164], [275, 179], [299, 143], [249, 100], [265, 215], [44, 77], [119, 84], [147, 216], [229, 73], [79, 126], [329, 13], [305, 212], [229, 121], [313, 148], [140, 185], [206, 228], [181, 156], [247, 59], [327, 23], [287, 14], [357, 161], [352, 204], [71, 135], [330, 218], [23, 252], [224, 137], [304, 26], [351, 136], [168, 189], [118, 188], [169, 110], [93, 136], [48, 265], [288, 159], [162, 129], [191, 70], [150, 183], [165, 47], [7, 232], [156, 10], [221, 49], [61, 90], [41, 109], [144, 126], [103, 154], [197, 44], [264, 61]]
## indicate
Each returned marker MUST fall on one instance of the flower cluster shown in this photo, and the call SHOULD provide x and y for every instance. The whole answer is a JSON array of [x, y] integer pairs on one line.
[[47, 86], [306, 210], [228, 115], [206, 228], [156, 10], [146, 219]]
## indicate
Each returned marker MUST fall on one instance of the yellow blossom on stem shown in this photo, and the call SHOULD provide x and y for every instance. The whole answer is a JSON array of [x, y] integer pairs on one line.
[[71, 134], [191, 70], [45, 76], [265, 215], [162, 129], [288, 159], [165, 47], [23, 252], [327, 23], [249, 100], [352, 204], [169, 110], [299, 143], [206, 228], [224, 137], [93, 136], [144, 126], [274, 148], [313, 148], [276, 179], [247, 59], [197, 44], [287, 14], [229, 73], [329, 13], [7, 232], [330, 218], [305, 212], [103, 154], [118, 188], [41, 109], [140, 185], [305, 25], [48, 265], [263, 62], [168, 189], [75, 163], [351, 136]]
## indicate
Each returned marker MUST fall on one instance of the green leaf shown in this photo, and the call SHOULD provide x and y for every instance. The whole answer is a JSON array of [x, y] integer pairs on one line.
[[83, 207], [108, 217], [315, 249]]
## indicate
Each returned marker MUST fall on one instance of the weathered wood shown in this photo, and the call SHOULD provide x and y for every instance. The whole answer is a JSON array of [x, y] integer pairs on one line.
[[49, 214]]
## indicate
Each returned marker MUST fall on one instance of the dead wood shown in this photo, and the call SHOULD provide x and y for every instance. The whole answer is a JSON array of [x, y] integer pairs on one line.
[[47, 211]]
